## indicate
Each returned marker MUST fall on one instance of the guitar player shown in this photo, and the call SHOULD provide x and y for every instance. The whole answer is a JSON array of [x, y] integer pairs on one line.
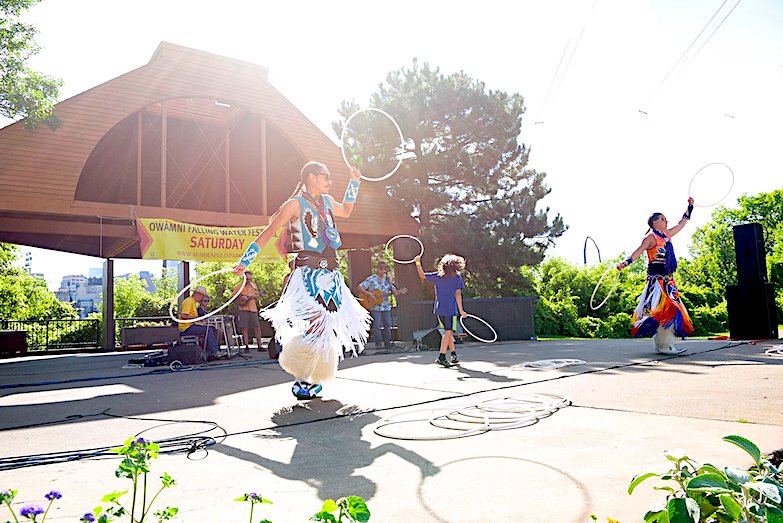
[[376, 289]]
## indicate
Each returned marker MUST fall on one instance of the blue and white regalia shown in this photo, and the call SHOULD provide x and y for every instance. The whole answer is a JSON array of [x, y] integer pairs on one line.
[[317, 317]]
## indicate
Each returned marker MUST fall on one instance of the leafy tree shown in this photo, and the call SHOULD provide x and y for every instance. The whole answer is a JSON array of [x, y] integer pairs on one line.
[[25, 297], [714, 261], [129, 296], [24, 93], [464, 177], [268, 277]]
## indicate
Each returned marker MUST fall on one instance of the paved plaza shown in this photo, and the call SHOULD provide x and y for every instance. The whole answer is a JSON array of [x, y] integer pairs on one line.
[[627, 406]]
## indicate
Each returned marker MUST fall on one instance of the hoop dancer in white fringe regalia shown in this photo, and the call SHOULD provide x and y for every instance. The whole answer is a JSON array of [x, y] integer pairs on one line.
[[317, 317]]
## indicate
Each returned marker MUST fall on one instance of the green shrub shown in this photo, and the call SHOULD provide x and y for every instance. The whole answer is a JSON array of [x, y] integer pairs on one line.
[[710, 320], [616, 326], [589, 327], [545, 320]]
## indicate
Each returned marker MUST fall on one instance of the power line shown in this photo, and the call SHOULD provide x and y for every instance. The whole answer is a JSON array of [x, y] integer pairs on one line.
[[567, 65], [685, 53]]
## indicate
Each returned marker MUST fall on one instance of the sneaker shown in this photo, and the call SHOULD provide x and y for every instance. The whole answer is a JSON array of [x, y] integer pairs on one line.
[[315, 388], [442, 361], [454, 359], [300, 390], [305, 391]]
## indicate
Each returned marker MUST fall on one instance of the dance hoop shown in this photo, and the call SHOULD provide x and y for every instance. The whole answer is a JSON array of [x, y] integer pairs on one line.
[[399, 133], [547, 364], [494, 332], [600, 281], [731, 185], [404, 236], [187, 288], [478, 418]]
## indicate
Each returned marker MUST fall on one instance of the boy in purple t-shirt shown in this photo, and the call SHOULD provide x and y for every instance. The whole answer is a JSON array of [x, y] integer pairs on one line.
[[448, 300]]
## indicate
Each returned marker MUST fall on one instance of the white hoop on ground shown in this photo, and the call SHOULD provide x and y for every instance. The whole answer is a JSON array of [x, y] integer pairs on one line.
[[386, 248], [187, 288], [731, 185], [600, 281], [460, 433], [494, 332], [547, 364], [490, 414], [399, 132], [776, 350]]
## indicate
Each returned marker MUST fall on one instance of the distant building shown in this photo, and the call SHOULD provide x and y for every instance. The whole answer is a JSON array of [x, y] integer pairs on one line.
[[146, 277], [85, 293]]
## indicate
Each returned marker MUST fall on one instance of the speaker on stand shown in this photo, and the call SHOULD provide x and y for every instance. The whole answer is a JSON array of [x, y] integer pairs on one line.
[[751, 303]]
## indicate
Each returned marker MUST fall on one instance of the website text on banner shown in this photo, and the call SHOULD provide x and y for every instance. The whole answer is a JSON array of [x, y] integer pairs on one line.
[[163, 239]]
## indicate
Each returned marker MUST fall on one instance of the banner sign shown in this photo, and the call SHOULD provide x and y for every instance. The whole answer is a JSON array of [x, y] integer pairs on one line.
[[162, 239]]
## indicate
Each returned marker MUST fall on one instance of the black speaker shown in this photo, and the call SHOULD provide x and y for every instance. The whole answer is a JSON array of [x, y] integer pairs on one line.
[[752, 313], [428, 337], [750, 254], [187, 355]]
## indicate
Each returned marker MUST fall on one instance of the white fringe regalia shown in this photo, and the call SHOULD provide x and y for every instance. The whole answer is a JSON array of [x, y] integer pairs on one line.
[[313, 337]]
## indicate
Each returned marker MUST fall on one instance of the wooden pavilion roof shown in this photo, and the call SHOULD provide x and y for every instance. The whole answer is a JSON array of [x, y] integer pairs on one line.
[[190, 136]]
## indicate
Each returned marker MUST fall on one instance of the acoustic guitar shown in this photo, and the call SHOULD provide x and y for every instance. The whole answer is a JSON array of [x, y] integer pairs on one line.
[[376, 298]]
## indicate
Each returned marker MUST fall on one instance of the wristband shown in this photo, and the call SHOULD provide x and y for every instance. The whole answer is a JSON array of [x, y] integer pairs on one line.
[[418, 263], [250, 254], [352, 191], [687, 215], [628, 261]]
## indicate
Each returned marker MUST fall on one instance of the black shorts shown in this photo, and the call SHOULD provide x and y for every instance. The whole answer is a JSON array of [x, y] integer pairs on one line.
[[447, 323]]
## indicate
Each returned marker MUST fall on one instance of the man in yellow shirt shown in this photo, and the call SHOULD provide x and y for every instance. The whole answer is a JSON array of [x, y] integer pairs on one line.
[[188, 311], [248, 310]]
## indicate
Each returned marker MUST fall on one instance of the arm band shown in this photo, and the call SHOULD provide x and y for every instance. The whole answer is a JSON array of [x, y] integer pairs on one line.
[[250, 254], [628, 261], [352, 191], [687, 215]]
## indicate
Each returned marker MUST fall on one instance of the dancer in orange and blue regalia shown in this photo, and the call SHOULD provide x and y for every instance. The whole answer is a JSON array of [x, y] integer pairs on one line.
[[660, 312]]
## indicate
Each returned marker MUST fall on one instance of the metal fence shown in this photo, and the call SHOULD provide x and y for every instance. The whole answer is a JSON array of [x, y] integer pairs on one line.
[[53, 335]]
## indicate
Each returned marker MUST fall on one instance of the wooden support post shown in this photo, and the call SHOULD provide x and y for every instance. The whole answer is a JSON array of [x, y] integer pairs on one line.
[[264, 191], [139, 167], [108, 306], [163, 153]]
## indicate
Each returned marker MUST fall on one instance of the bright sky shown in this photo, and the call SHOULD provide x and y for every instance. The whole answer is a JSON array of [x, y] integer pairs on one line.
[[626, 99]]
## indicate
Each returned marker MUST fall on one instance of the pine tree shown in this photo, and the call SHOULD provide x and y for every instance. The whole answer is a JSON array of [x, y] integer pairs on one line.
[[463, 174]]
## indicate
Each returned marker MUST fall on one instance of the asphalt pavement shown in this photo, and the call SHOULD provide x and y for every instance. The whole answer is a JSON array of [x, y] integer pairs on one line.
[[410, 437]]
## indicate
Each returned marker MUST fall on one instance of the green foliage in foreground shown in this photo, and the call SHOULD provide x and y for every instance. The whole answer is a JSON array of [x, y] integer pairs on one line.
[[137, 455], [710, 494]]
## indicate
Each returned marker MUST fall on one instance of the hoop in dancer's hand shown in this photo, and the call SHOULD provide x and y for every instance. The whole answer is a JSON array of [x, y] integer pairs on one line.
[[597, 285], [393, 238], [347, 140], [188, 287], [711, 184], [494, 332]]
